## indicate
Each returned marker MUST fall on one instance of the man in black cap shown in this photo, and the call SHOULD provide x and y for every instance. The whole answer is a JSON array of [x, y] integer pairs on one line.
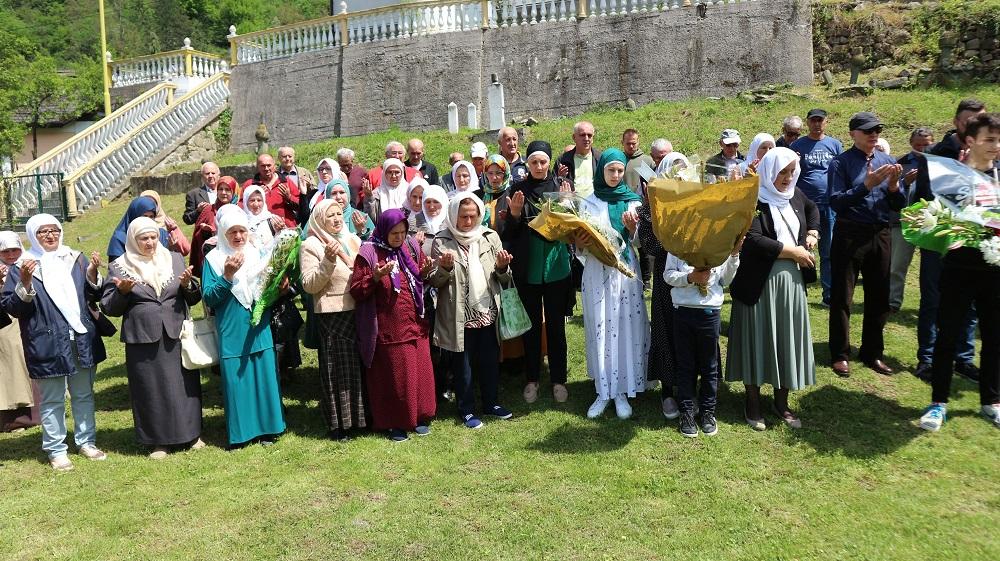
[[862, 187], [816, 150]]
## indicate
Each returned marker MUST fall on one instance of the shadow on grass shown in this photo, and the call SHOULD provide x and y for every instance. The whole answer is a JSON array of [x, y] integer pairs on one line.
[[855, 424], [598, 435]]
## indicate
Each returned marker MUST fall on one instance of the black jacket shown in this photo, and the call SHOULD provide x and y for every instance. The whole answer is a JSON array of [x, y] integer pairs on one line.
[[949, 147], [191, 201], [567, 160], [761, 247]]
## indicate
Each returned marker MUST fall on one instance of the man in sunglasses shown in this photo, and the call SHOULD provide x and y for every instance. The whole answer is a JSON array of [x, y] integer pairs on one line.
[[863, 188]]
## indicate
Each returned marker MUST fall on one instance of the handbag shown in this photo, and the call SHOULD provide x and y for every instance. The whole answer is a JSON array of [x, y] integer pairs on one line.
[[199, 343], [514, 320], [102, 324]]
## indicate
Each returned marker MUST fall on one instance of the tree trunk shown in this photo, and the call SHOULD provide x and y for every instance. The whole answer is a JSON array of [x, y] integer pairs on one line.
[[34, 139]]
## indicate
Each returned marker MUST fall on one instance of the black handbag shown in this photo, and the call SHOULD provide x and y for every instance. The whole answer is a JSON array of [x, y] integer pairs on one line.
[[102, 324]]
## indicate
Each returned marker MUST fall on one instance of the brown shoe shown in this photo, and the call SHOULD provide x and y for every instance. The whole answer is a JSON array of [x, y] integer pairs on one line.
[[878, 366], [842, 368]]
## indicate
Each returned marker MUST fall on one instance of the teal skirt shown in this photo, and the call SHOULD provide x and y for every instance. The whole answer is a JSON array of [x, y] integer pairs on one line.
[[771, 341], [251, 397]]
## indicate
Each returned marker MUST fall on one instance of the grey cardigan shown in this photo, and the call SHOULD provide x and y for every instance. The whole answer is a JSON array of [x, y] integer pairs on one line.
[[147, 317], [449, 319]]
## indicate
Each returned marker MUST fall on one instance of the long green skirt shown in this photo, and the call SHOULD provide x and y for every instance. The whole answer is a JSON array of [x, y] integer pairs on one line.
[[771, 341]]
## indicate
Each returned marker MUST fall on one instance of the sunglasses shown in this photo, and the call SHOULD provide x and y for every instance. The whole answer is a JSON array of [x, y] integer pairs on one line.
[[876, 130]]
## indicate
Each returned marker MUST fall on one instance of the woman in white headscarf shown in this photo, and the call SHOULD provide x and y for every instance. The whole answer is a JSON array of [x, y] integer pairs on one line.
[[19, 397], [327, 261], [433, 213], [151, 289], [471, 265], [466, 179], [758, 147], [674, 161], [250, 394], [327, 170], [770, 340], [262, 223], [414, 205], [48, 290], [391, 192]]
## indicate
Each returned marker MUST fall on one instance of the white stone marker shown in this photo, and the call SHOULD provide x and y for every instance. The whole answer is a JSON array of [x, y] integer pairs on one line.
[[452, 118]]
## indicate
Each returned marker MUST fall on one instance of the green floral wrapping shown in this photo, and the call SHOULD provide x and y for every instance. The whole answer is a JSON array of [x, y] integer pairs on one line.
[[283, 261]]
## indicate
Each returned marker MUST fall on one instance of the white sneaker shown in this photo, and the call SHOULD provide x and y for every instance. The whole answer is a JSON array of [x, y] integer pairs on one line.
[[934, 417], [992, 412], [670, 409], [61, 463], [597, 409], [622, 408]]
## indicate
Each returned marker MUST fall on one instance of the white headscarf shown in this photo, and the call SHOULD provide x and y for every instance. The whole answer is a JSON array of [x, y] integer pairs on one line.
[[334, 171], [669, 161], [245, 279], [479, 294], [417, 182], [770, 165], [55, 270], [392, 197], [10, 240], [761, 138], [260, 223], [156, 271], [435, 192], [473, 176]]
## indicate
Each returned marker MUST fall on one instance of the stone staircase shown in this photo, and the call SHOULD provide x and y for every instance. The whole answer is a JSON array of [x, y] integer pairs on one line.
[[97, 163]]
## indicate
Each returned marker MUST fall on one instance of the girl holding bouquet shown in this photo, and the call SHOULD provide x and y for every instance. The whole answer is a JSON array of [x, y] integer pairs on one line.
[[614, 318]]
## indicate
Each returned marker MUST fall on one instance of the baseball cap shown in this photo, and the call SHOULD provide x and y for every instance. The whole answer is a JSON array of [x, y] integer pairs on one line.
[[815, 113], [863, 121], [479, 150], [730, 136]]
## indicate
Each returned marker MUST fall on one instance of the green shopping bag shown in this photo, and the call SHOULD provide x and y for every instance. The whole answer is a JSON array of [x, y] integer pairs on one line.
[[514, 320]]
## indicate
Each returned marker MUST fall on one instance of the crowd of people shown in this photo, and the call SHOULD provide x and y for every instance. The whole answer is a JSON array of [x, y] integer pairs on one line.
[[405, 273]]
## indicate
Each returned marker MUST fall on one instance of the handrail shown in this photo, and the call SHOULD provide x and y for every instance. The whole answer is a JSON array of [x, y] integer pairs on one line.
[[94, 129], [147, 123], [166, 54], [185, 61]]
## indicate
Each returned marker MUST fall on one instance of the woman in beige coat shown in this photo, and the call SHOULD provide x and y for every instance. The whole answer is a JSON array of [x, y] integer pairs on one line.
[[471, 265], [327, 260]]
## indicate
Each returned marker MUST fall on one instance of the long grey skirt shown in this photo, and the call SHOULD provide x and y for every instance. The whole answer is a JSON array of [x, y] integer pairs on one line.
[[771, 341], [166, 399]]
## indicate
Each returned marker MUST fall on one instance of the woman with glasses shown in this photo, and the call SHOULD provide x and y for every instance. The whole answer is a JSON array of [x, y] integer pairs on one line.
[[48, 292]]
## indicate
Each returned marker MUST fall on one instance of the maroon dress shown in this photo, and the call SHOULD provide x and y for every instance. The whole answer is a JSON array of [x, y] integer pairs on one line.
[[400, 380]]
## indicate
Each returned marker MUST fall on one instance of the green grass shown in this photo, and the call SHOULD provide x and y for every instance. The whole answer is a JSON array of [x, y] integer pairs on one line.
[[859, 481], [693, 126]]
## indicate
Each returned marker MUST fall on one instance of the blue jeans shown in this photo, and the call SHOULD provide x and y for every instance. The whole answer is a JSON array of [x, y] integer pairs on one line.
[[826, 218], [53, 410], [696, 341], [930, 297], [483, 352]]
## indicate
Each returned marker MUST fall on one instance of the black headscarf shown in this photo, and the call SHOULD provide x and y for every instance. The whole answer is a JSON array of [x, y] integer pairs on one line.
[[531, 187]]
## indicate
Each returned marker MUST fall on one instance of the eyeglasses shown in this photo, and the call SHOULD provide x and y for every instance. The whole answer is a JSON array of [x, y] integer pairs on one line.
[[326, 169], [49, 232]]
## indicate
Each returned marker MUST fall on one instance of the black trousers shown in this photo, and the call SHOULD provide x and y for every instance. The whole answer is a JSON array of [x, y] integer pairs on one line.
[[865, 249], [482, 358], [554, 297], [959, 289]]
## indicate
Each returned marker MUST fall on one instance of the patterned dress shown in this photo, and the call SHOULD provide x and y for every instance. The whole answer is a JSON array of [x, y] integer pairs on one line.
[[614, 320]]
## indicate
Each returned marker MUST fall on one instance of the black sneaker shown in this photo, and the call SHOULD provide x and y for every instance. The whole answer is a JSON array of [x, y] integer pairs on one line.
[[968, 371], [924, 371], [708, 424], [687, 425]]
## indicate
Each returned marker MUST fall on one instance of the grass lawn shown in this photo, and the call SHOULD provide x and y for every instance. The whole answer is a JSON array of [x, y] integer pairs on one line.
[[859, 481]]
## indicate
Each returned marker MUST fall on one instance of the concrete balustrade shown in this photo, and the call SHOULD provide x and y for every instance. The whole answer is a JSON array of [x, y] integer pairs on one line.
[[159, 67], [84, 146]]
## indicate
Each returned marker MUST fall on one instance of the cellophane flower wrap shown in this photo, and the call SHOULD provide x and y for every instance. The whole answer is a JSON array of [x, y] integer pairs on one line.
[[700, 222], [964, 213], [282, 259], [561, 215]]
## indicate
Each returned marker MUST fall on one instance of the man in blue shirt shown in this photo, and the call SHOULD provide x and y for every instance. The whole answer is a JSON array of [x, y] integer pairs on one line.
[[816, 151], [863, 189]]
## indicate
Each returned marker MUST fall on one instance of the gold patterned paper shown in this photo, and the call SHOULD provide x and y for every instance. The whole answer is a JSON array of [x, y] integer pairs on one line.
[[700, 223]]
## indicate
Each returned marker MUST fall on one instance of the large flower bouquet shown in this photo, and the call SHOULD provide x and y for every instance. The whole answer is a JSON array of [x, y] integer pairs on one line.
[[934, 226], [281, 259], [964, 213], [561, 215]]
